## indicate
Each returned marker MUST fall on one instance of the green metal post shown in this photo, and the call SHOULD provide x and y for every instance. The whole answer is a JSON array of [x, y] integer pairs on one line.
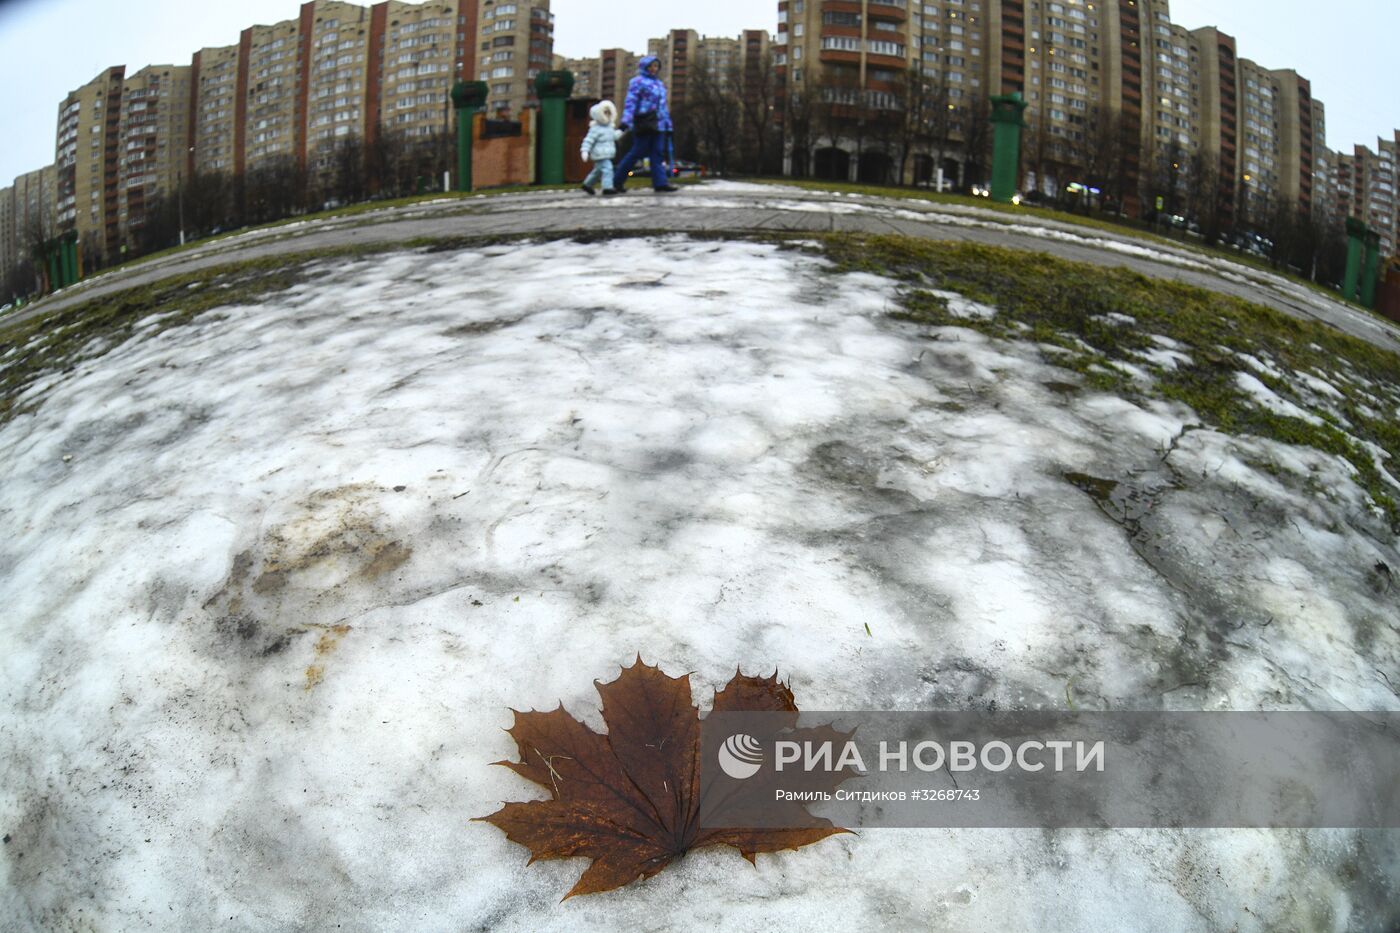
[[1371, 270], [67, 247], [1007, 117], [467, 97], [1356, 237], [553, 88]]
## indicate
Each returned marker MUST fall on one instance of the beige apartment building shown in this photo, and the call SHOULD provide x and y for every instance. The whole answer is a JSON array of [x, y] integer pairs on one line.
[[28, 211], [615, 70], [215, 105], [266, 95], [86, 160], [421, 48], [587, 72], [1298, 118], [331, 88], [153, 141], [516, 44]]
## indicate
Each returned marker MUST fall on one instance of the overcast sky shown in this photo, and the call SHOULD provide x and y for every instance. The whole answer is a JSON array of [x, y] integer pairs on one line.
[[50, 47]]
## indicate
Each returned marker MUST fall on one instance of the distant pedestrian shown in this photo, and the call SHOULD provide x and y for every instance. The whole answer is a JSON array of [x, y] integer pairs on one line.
[[600, 147], [645, 113]]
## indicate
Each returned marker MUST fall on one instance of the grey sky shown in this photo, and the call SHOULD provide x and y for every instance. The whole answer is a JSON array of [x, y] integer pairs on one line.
[[1347, 53]]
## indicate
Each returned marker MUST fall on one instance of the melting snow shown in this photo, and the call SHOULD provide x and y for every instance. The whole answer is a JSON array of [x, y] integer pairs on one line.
[[1268, 398], [272, 580]]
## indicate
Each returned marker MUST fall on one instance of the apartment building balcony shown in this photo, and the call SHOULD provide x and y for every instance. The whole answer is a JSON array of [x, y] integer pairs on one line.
[[886, 61], [840, 57], [849, 32], [841, 6], [887, 9]]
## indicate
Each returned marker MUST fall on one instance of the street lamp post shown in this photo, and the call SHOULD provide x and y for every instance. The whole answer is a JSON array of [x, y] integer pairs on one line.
[[180, 199]]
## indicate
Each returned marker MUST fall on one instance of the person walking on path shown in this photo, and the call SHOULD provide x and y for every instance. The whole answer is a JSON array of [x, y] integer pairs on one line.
[[645, 113], [600, 147]]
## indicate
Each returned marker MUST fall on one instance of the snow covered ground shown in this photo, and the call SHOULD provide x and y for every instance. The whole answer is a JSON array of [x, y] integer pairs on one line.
[[271, 581]]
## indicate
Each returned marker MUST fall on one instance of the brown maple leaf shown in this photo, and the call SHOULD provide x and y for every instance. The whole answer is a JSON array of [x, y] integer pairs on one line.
[[630, 798]]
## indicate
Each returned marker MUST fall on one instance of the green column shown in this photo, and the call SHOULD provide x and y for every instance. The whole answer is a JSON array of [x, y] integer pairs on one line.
[[68, 251], [467, 97], [1356, 238], [1007, 117], [553, 88], [1371, 269]]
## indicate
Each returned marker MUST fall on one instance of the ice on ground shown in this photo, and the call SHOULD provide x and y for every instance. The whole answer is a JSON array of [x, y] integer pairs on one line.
[[1267, 398], [965, 308], [1166, 359], [273, 578]]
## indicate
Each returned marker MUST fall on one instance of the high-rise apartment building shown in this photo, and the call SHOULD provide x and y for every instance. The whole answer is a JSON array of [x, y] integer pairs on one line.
[[516, 44], [414, 55], [9, 241], [269, 101], [587, 74], [615, 71], [153, 141], [86, 159], [677, 52], [1368, 186], [26, 215], [1105, 81], [28, 212], [217, 99], [1298, 117]]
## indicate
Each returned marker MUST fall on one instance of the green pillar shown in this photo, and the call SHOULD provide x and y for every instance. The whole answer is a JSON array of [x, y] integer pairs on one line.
[[553, 88], [467, 97], [1356, 238], [1371, 269], [68, 250], [1007, 117]]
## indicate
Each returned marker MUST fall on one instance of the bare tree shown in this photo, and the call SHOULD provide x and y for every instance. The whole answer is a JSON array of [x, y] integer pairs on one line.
[[759, 137], [799, 120], [975, 120], [1205, 200]]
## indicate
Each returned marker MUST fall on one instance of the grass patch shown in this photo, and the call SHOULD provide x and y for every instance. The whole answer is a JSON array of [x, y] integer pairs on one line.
[[1079, 314], [62, 340], [1020, 212]]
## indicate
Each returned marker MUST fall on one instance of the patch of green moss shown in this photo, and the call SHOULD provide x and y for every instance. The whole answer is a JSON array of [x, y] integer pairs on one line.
[[1072, 306], [1105, 223]]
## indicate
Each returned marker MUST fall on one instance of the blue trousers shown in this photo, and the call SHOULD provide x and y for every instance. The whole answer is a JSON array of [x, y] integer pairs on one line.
[[651, 146], [602, 171]]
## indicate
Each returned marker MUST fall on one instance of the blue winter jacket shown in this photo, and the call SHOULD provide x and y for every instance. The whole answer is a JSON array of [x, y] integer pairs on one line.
[[644, 95]]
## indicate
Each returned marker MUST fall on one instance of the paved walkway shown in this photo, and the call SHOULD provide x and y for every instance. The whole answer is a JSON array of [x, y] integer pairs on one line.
[[739, 207]]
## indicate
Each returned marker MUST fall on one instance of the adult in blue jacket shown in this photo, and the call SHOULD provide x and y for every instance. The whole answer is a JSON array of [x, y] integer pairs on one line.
[[645, 113]]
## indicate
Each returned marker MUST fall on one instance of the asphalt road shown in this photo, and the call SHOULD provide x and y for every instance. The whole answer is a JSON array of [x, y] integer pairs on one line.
[[718, 207]]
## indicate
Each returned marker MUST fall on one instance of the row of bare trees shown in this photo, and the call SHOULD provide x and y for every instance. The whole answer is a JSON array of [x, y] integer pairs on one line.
[[354, 169], [904, 128]]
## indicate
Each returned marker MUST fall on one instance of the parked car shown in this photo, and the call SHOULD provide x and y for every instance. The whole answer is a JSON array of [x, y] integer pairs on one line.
[[682, 167]]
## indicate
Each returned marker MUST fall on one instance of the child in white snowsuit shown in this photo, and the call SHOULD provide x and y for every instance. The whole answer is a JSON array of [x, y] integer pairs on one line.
[[600, 146]]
